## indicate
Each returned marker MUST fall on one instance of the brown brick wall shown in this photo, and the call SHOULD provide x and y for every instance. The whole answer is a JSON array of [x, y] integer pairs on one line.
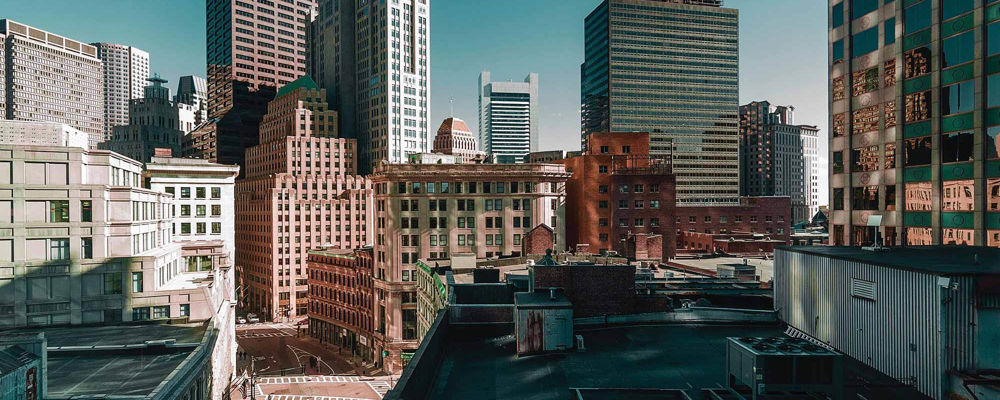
[[537, 241], [593, 289]]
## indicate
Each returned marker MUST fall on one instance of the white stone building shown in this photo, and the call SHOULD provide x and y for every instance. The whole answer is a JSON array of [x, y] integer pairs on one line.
[[37, 133]]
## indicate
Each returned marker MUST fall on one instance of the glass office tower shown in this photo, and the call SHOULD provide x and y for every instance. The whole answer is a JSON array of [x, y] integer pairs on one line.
[[670, 68], [914, 121]]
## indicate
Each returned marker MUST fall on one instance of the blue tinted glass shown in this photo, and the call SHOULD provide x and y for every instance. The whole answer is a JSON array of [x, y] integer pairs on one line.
[[865, 42], [862, 7], [890, 31], [888, 1], [958, 49], [838, 15], [838, 50], [954, 8], [993, 142], [993, 91], [918, 17], [993, 39], [958, 98]]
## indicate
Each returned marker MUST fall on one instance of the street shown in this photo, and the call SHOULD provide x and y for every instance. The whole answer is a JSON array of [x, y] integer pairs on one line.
[[290, 365]]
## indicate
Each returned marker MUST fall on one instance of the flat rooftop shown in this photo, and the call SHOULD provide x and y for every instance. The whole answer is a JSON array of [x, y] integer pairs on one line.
[[937, 260], [765, 268], [81, 371]]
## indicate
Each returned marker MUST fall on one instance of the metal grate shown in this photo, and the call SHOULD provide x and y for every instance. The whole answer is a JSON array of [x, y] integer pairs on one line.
[[863, 289]]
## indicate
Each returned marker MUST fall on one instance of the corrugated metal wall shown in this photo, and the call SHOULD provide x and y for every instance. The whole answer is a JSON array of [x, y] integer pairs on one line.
[[900, 333]]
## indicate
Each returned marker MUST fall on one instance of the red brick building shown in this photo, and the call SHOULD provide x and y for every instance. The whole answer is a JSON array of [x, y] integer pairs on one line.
[[538, 240], [341, 299], [768, 216], [619, 190], [593, 289], [729, 243]]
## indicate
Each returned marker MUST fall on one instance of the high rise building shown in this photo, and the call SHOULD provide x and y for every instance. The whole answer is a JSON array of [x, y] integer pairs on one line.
[[778, 158], [126, 70], [36, 133], [300, 192], [915, 121], [670, 68], [154, 123], [253, 47], [430, 211], [192, 90], [374, 58], [508, 116], [52, 78]]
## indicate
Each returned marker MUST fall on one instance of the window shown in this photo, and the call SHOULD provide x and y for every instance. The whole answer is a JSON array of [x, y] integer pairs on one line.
[[185, 193], [838, 50], [602, 204], [602, 169], [622, 188], [993, 39], [185, 228], [87, 248], [216, 193], [200, 192], [958, 49], [956, 146], [958, 195], [140, 314], [865, 198], [216, 210], [86, 211], [954, 8], [918, 106], [917, 18], [137, 282], [992, 142], [838, 199], [865, 159], [59, 211], [918, 196], [918, 151], [113, 283], [216, 228], [993, 91], [890, 31], [861, 7], [838, 162], [838, 15], [160, 312], [890, 198], [185, 310], [58, 249], [185, 210], [602, 189], [654, 204], [865, 42], [200, 210]]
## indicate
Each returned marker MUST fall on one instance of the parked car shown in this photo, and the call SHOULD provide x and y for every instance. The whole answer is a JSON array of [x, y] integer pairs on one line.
[[241, 320], [252, 318]]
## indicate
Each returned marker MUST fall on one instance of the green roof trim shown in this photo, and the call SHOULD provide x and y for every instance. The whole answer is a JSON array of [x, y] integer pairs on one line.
[[437, 281], [303, 82]]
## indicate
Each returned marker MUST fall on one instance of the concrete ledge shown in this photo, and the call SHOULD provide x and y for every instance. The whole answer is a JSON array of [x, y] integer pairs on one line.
[[685, 315]]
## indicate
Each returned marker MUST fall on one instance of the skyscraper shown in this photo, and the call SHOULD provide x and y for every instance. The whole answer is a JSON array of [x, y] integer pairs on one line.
[[52, 78], [777, 157], [914, 121], [126, 70], [154, 123], [508, 116], [300, 192], [374, 59], [192, 90], [253, 47], [670, 68]]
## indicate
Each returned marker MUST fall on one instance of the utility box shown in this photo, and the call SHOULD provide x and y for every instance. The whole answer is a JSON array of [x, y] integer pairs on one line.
[[771, 367], [543, 322]]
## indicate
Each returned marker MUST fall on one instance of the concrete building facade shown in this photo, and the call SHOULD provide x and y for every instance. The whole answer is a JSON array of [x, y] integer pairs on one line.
[[778, 158], [126, 70], [374, 58], [508, 116], [300, 192], [37, 133], [52, 78], [670, 68], [253, 47], [432, 211], [914, 121], [154, 123], [617, 191]]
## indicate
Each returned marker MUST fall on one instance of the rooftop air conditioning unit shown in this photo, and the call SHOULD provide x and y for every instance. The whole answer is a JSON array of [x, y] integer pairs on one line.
[[772, 367]]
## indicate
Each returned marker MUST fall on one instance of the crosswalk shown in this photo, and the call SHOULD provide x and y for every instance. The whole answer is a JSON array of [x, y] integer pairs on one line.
[[380, 387], [253, 334], [307, 379], [309, 397]]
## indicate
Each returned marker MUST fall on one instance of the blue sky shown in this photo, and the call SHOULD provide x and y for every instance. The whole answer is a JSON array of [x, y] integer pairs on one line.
[[782, 49]]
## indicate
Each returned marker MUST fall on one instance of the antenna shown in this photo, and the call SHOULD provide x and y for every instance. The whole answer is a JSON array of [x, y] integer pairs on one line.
[[452, 101]]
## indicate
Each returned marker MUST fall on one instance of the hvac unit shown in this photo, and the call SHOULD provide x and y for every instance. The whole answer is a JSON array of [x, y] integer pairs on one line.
[[778, 367]]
